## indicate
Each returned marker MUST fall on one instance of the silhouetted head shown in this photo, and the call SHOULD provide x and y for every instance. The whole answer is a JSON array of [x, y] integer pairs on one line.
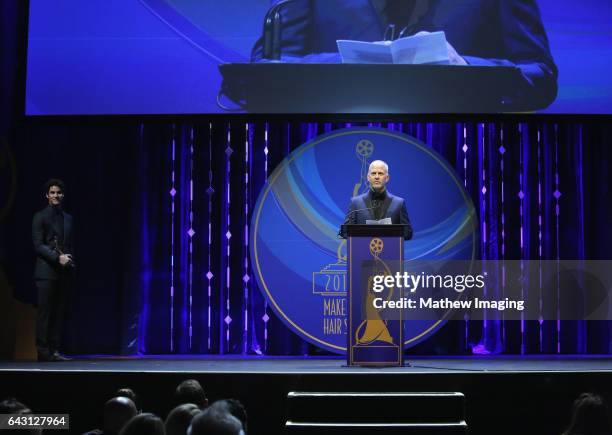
[[144, 424], [190, 391], [179, 418], [130, 394], [13, 406], [234, 407], [117, 412], [589, 416], [215, 422]]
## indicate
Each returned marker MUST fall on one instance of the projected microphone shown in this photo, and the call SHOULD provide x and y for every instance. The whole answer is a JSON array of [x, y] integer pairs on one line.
[[272, 31]]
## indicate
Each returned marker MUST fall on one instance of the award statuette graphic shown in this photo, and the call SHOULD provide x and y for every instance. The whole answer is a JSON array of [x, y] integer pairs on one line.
[[300, 264], [373, 340]]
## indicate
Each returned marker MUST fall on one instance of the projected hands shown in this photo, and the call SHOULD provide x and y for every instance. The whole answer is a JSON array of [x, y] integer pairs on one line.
[[453, 57]]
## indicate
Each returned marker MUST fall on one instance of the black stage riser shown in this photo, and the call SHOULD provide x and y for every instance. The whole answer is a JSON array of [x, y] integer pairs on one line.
[[377, 407], [378, 429]]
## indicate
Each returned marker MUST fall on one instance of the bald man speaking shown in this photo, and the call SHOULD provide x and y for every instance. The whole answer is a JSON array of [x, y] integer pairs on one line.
[[378, 204]]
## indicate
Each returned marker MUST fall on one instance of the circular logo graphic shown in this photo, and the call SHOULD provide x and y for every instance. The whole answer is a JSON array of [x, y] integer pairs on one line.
[[376, 246], [298, 259]]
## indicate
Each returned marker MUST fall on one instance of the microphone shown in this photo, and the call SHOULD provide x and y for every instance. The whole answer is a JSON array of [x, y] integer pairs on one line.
[[364, 209], [342, 232], [389, 33], [272, 31]]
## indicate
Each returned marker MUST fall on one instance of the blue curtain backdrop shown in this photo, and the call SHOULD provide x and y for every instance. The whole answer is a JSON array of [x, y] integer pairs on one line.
[[162, 214], [541, 192]]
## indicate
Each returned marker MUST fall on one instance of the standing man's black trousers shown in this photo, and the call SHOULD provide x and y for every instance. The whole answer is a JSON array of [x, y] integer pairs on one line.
[[52, 300]]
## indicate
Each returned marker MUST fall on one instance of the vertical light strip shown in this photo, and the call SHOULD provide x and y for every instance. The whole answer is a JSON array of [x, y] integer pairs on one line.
[[191, 233], [172, 212], [483, 190], [540, 313], [483, 214], [557, 195], [502, 152], [209, 192], [581, 251], [228, 235], [246, 278], [465, 150], [521, 196], [266, 317], [466, 316]]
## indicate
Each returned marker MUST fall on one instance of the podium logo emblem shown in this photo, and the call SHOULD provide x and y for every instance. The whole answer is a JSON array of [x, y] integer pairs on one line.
[[376, 247]]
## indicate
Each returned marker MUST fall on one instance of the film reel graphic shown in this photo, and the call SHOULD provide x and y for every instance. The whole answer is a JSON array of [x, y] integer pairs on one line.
[[376, 247]]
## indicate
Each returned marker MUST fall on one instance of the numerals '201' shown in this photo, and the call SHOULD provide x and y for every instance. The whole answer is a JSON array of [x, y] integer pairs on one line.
[[336, 284]]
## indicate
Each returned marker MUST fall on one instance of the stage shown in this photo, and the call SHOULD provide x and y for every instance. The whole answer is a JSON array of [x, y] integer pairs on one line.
[[266, 365], [500, 394]]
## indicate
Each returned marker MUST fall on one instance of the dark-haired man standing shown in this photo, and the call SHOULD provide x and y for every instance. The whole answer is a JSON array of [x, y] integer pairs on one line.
[[52, 235]]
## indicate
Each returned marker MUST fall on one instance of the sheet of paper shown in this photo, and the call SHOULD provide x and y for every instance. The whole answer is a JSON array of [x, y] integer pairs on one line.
[[427, 48], [385, 221], [364, 52]]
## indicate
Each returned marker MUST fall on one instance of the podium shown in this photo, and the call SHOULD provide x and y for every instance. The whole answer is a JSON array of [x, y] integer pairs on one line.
[[373, 250], [276, 87]]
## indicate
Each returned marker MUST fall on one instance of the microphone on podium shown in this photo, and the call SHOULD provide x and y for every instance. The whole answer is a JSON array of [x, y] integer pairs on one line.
[[378, 204], [272, 31], [349, 216]]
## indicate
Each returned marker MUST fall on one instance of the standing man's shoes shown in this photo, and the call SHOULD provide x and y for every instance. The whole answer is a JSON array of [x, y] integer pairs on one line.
[[58, 357]]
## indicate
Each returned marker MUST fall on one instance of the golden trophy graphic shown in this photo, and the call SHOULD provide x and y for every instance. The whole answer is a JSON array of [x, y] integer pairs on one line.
[[373, 328]]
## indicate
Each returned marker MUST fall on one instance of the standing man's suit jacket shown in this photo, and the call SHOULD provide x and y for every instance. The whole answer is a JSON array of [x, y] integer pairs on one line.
[[44, 235], [484, 32], [393, 207]]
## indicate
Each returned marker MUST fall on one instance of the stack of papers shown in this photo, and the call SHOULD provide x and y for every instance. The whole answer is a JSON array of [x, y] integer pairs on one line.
[[426, 48], [384, 221]]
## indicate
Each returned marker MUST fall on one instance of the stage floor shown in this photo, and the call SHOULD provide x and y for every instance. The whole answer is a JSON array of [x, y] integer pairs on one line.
[[316, 365]]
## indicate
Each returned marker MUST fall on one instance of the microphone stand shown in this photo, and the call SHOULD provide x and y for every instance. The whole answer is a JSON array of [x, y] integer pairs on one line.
[[341, 234]]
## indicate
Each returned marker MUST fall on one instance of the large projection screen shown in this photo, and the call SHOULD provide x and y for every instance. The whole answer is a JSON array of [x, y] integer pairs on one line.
[[173, 57]]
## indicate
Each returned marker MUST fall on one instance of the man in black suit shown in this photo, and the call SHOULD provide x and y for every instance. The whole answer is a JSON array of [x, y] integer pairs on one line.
[[378, 203], [52, 235]]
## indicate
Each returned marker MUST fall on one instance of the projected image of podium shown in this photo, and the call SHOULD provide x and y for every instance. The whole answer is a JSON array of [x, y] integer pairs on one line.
[[412, 74], [374, 337], [303, 88]]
